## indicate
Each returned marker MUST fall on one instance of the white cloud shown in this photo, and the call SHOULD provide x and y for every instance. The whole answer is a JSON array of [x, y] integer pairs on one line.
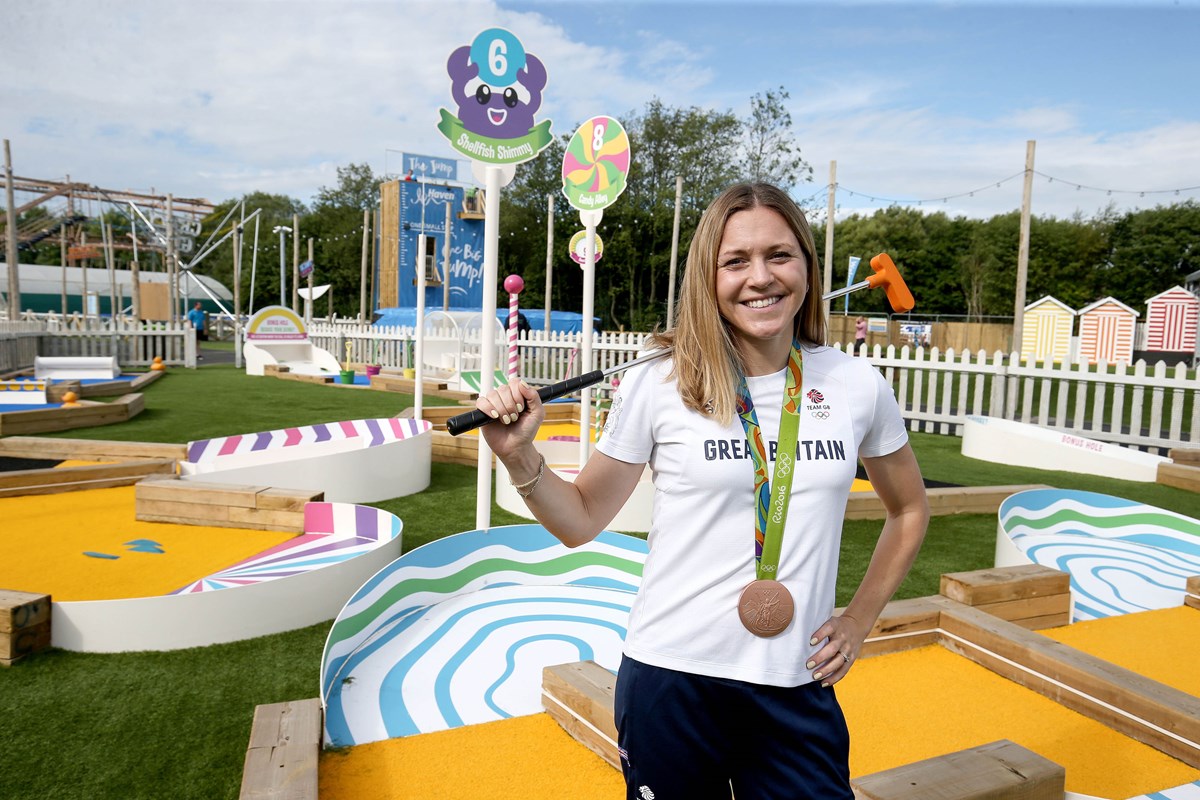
[[214, 99]]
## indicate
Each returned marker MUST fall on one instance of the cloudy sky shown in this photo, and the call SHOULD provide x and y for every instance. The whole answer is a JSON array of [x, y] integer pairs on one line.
[[914, 101]]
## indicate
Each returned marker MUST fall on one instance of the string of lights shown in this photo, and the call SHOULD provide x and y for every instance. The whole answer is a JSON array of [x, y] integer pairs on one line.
[[1110, 192], [843, 190]]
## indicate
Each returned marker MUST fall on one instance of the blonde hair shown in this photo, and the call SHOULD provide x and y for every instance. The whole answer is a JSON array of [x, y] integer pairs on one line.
[[707, 366]]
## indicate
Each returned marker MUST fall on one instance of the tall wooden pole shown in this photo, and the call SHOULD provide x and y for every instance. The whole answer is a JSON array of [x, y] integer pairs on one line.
[[549, 258], [674, 252], [135, 285], [308, 307], [109, 261], [362, 280], [1023, 248], [70, 215], [296, 263], [376, 267], [83, 267], [828, 271], [237, 295], [172, 266], [10, 238], [62, 255]]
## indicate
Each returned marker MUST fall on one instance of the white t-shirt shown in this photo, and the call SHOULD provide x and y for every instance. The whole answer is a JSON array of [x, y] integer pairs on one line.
[[702, 529]]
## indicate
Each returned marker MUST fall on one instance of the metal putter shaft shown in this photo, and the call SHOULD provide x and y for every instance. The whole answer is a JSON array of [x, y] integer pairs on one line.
[[471, 420], [886, 275]]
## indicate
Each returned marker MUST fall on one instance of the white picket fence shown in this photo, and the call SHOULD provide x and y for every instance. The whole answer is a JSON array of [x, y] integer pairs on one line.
[[1150, 407], [135, 344], [544, 358], [1153, 408]]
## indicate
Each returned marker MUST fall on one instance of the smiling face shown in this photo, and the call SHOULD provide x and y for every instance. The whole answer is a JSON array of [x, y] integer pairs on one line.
[[761, 283]]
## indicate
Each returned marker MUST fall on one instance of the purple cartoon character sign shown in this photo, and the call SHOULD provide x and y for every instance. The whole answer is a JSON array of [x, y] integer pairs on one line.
[[498, 89]]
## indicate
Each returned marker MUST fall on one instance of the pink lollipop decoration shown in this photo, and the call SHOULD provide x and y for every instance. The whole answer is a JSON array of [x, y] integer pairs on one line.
[[513, 284]]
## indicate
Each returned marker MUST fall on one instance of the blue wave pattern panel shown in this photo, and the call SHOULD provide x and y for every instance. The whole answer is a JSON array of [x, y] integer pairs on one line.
[[458, 631], [1122, 556], [1188, 791]]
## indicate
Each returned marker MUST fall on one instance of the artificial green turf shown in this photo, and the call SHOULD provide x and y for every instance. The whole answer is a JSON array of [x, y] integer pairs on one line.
[[221, 400], [176, 725]]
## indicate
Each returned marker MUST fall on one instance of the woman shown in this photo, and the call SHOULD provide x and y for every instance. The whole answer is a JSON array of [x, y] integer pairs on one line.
[[732, 645], [860, 334]]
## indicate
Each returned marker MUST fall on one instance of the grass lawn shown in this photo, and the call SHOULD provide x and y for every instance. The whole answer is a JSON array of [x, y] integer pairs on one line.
[[175, 725]]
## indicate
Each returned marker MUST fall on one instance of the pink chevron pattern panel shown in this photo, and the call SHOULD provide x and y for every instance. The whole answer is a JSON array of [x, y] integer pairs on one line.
[[333, 532], [374, 431]]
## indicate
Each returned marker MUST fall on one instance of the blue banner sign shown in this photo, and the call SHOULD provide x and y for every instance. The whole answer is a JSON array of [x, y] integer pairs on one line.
[[423, 211], [430, 168]]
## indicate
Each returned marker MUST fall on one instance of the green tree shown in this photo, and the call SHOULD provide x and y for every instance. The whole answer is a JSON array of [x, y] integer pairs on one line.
[[357, 187], [769, 149], [1149, 252], [274, 209]]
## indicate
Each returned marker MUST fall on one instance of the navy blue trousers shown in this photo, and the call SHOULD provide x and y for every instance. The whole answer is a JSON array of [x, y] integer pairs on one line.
[[693, 737]]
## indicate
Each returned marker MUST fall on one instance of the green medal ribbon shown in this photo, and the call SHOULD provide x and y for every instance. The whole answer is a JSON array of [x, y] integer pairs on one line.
[[772, 498]]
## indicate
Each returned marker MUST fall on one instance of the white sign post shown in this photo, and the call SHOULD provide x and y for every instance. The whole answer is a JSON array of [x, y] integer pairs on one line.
[[497, 87], [595, 164]]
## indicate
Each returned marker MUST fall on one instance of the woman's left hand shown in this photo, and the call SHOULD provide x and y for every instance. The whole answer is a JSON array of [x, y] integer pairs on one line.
[[838, 643]]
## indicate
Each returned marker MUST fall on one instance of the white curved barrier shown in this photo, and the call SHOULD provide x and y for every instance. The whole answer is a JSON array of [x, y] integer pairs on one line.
[[302, 358], [457, 632], [301, 582], [1122, 556], [353, 461], [561, 457], [1018, 444], [59, 367]]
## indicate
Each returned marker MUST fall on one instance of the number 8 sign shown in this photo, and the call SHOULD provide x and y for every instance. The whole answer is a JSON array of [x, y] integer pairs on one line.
[[595, 164]]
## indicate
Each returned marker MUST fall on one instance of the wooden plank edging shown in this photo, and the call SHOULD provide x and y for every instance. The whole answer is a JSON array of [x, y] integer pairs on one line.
[[283, 753]]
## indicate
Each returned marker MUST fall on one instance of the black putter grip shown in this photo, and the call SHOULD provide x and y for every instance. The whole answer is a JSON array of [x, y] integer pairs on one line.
[[461, 423]]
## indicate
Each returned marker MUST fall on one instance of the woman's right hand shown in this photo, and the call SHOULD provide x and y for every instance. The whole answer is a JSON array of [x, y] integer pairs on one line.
[[517, 412]]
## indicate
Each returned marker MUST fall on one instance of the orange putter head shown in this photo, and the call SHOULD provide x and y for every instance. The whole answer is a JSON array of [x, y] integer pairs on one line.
[[887, 276]]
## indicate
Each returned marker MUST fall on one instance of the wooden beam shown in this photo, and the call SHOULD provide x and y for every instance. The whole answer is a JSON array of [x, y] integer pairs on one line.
[[1002, 584], [284, 750], [579, 697], [1180, 476], [24, 625], [83, 449], [942, 501], [1143, 709], [994, 771], [70, 479]]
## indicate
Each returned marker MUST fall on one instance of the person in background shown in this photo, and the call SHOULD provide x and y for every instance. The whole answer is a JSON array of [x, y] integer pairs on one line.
[[198, 318], [752, 428], [860, 334]]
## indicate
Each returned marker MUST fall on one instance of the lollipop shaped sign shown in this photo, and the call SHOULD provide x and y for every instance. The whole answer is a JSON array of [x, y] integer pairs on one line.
[[595, 164]]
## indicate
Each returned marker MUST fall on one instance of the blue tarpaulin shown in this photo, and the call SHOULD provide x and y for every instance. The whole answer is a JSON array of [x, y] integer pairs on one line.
[[560, 321]]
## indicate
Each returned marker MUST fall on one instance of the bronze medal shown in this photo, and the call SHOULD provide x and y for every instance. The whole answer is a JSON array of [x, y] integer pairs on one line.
[[766, 608]]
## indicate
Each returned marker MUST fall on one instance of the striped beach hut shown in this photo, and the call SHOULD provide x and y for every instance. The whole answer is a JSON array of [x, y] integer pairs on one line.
[[1171, 319], [1106, 329], [1046, 331]]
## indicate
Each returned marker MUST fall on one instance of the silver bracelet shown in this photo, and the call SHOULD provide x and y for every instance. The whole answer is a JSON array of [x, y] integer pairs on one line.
[[525, 489]]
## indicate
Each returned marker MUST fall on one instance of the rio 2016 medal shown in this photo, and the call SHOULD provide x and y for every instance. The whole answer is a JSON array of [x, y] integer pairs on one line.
[[766, 608]]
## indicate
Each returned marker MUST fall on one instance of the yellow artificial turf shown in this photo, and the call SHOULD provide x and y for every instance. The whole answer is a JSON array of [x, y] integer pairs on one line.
[[1163, 645], [513, 758], [901, 707], [43, 539], [909, 706]]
